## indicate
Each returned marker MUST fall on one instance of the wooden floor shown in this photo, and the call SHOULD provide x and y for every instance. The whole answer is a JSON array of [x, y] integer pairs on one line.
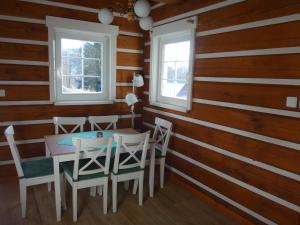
[[171, 205]]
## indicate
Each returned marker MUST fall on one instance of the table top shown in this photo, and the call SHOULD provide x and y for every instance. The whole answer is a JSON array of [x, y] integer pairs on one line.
[[56, 149]]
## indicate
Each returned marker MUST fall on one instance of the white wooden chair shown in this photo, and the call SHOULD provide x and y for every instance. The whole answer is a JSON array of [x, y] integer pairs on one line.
[[59, 122], [95, 122], [78, 123], [31, 172], [90, 167], [129, 162], [161, 135]]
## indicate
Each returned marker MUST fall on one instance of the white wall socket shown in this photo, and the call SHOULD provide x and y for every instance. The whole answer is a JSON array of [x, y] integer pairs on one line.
[[2, 93], [291, 102]]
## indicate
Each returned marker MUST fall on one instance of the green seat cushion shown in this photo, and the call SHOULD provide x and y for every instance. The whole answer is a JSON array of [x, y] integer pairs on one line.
[[129, 170], [158, 154], [68, 167], [37, 168]]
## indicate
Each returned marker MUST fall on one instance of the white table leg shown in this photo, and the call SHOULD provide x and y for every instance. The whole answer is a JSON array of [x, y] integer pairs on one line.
[[57, 188], [152, 170]]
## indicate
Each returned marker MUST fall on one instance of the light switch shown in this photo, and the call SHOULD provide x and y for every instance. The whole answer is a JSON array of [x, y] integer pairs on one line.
[[291, 102], [2, 93]]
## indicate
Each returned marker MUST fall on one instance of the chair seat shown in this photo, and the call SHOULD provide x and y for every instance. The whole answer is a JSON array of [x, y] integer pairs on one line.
[[68, 167], [158, 154], [38, 168]]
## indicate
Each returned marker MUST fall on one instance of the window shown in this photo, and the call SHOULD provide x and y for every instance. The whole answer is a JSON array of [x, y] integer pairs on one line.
[[82, 61], [172, 50]]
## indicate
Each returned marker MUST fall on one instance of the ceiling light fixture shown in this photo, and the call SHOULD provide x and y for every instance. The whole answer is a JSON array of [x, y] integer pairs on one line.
[[139, 9]]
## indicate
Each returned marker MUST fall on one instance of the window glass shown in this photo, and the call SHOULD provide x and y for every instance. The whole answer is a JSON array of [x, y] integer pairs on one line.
[[82, 67], [175, 69]]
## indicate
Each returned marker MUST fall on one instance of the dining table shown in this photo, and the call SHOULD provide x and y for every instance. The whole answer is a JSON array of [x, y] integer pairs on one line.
[[61, 149]]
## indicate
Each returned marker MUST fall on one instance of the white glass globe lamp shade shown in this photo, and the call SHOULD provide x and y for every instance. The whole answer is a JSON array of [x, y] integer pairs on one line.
[[138, 80], [105, 16], [142, 8], [146, 23], [131, 99]]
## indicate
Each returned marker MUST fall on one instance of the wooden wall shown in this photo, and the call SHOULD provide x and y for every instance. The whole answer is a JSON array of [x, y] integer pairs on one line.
[[24, 72], [240, 144]]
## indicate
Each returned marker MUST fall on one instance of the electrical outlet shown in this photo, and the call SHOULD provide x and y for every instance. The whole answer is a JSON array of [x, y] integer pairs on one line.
[[2, 93], [291, 102]]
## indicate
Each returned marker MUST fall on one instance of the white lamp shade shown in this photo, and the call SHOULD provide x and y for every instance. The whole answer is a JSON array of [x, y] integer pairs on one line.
[[138, 80], [131, 99], [105, 16], [146, 23], [142, 8]]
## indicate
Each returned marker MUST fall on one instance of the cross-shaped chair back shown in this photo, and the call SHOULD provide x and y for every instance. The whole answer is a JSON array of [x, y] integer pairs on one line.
[[96, 151], [9, 134], [131, 150], [78, 123], [162, 134], [95, 122]]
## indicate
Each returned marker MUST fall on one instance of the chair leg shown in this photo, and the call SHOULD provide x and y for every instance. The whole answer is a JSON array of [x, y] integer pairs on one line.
[[63, 191], [114, 194], [141, 184], [126, 185], [162, 172], [135, 186], [105, 186], [23, 197], [74, 198], [93, 191], [99, 190], [48, 155]]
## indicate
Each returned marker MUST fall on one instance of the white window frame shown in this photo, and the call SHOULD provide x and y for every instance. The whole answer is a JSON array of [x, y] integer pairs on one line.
[[59, 28], [169, 33]]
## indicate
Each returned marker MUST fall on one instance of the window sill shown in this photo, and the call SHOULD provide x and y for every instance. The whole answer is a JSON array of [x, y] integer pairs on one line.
[[104, 102], [169, 106]]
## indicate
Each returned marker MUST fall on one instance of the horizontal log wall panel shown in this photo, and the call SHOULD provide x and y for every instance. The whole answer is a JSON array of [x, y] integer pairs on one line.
[[257, 38], [123, 90], [272, 66], [40, 11], [92, 3], [249, 94], [125, 76], [261, 205], [29, 93], [277, 156], [23, 72], [216, 202], [25, 150], [272, 183], [130, 42], [36, 112], [277, 185], [166, 11], [25, 132], [129, 59], [246, 11], [25, 93], [12, 29], [23, 52], [285, 128]]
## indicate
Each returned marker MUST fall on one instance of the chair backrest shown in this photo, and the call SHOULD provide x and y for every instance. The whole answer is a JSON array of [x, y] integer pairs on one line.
[[131, 150], [78, 122], [95, 122], [9, 134], [97, 151], [162, 134]]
